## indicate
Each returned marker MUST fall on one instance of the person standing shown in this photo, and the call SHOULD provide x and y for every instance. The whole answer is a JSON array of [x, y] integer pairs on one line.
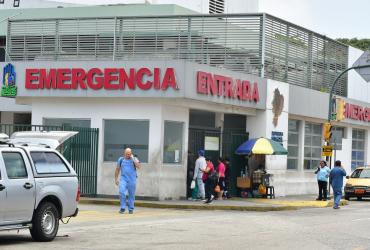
[[227, 178], [126, 169], [200, 166], [322, 180], [221, 180], [209, 182], [336, 181]]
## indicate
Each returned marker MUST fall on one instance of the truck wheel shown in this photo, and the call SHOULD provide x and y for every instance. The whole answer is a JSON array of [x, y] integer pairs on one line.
[[359, 198], [45, 222]]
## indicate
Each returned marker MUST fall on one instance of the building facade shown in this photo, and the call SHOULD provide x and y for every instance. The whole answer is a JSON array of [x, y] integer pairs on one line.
[[168, 85]]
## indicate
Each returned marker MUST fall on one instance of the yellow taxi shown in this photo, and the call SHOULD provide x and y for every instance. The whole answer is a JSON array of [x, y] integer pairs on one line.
[[358, 184]]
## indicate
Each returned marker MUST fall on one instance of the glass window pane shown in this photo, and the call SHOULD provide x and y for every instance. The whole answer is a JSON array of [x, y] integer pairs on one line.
[[48, 163], [293, 139], [67, 122], [14, 165], [307, 140], [360, 145], [316, 153], [360, 155], [293, 125], [315, 164], [316, 140], [173, 134], [121, 134], [307, 152], [292, 164], [317, 130], [307, 128], [307, 164], [292, 151]]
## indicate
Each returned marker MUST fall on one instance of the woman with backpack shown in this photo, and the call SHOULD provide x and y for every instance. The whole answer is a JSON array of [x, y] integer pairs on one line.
[[209, 178]]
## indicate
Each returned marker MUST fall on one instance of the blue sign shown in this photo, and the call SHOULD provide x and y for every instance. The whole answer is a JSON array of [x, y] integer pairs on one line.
[[277, 136], [9, 89]]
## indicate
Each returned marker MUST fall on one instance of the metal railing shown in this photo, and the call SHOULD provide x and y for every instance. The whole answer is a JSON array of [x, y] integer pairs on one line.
[[257, 44], [81, 151]]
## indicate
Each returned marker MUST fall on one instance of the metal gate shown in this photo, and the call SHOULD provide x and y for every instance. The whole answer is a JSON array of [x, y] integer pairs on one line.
[[81, 151], [196, 141], [231, 140]]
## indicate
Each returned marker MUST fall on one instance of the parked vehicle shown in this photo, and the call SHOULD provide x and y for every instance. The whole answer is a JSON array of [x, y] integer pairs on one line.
[[358, 184], [38, 187]]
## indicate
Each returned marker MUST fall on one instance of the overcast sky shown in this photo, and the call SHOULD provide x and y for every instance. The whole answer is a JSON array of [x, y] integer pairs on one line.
[[333, 18]]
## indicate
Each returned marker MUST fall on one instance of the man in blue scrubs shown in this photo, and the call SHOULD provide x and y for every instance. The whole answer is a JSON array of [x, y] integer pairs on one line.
[[336, 180], [127, 166]]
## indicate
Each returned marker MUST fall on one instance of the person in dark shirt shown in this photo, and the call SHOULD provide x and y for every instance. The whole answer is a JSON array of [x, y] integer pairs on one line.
[[226, 193], [336, 181]]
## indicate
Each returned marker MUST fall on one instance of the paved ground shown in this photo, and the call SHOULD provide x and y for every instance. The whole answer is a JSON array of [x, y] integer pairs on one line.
[[101, 227]]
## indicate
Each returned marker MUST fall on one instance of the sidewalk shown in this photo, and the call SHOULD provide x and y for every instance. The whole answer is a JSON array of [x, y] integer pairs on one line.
[[237, 204]]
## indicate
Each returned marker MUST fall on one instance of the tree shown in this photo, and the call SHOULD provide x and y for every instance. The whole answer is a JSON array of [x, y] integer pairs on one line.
[[363, 44]]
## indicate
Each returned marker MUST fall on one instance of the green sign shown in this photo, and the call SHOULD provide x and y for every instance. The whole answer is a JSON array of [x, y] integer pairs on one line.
[[9, 91]]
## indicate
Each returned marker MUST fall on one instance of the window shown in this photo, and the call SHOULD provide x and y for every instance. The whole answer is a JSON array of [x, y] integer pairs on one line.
[[358, 148], [121, 134], [361, 173], [293, 144], [172, 148], [48, 163], [16, 3], [14, 165], [67, 122], [312, 145]]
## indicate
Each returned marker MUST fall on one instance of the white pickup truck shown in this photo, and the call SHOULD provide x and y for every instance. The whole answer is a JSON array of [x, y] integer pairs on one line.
[[38, 186]]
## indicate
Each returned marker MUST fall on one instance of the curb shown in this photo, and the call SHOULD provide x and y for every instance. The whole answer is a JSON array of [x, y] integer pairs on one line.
[[209, 207]]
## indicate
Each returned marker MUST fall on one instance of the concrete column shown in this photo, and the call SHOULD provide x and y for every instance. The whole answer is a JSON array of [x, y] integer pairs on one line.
[[301, 135]]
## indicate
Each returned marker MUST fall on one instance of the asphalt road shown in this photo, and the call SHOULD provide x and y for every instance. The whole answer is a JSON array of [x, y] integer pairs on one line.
[[101, 227]]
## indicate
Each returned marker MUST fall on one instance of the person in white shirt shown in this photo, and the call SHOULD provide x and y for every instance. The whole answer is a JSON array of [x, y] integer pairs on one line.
[[200, 166]]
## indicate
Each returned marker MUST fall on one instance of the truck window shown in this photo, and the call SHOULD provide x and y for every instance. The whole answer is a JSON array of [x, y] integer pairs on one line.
[[14, 165], [48, 163]]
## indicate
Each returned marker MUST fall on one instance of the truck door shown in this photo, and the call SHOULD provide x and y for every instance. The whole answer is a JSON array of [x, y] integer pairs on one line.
[[2, 194], [20, 187]]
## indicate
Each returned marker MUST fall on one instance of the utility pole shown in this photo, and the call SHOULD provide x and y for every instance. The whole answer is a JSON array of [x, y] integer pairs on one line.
[[359, 65]]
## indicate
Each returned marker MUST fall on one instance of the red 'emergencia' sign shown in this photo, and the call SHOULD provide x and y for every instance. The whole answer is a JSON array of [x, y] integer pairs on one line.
[[356, 112], [96, 78], [212, 84]]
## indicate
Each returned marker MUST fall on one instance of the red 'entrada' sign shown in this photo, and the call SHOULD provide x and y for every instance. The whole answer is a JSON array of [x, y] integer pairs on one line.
[[212, 84], [95, 78]]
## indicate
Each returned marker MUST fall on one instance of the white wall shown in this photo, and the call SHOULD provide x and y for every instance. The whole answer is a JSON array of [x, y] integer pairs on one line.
[[155, 179], [97, 110], [9, 104], [173, 176], [262, 125]]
